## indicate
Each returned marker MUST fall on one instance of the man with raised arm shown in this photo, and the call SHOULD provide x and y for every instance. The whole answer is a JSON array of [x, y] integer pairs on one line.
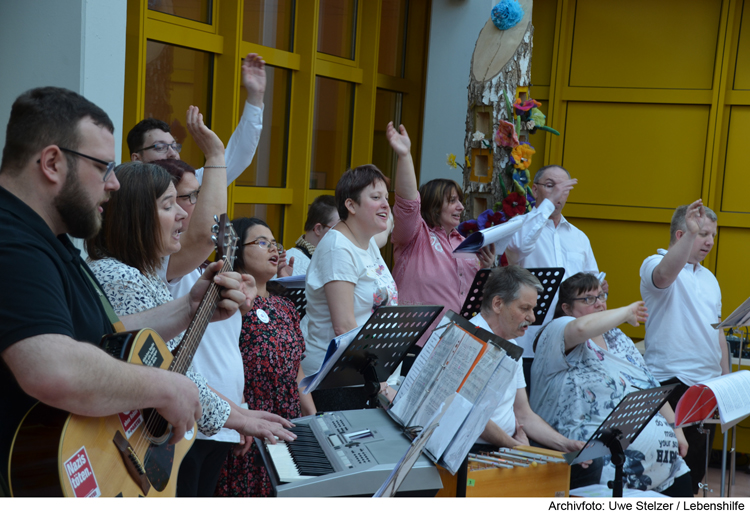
[[547, 239], [151, 139], [684, 299]]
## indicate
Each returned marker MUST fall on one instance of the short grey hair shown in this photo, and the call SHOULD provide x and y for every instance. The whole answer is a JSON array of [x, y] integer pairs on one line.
[[540, 173], [506, 283], [679, 223]]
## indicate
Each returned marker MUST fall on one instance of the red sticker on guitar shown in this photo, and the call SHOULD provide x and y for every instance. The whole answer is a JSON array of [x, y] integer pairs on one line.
[[81, 475], [130, 421]]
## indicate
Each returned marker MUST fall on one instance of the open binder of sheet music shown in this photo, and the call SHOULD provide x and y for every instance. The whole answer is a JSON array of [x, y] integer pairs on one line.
[[462, 360], [730, 393], [498, 235]]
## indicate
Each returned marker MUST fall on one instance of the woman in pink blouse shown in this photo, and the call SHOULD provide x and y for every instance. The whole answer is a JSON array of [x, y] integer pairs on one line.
[[424, 236]]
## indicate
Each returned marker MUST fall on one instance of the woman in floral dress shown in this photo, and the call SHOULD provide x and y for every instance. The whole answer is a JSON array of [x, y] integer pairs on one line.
[[272, 348]]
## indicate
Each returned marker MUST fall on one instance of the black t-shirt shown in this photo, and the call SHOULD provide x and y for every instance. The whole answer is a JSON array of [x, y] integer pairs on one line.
[[44, 291]]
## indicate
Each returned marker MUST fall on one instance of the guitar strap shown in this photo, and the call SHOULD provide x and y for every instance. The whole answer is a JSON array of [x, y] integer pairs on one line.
[[113, 319]]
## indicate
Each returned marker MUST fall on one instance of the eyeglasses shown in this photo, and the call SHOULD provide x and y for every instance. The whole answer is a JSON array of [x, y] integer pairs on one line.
[[162, 147], [192, 196], [590, 300], [548, 185], [109, 164], [264, 243]]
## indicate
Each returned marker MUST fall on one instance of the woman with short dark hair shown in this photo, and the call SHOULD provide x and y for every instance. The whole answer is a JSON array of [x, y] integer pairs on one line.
[[347, 278], [424, 237]]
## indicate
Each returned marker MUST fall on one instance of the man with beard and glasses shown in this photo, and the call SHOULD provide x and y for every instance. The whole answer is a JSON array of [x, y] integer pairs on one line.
[[508, 302], [56, 172]]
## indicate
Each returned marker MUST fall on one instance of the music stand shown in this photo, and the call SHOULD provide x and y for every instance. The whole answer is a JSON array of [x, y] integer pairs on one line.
[[295, 294], [379, 347], [620, 429], [550, 278]]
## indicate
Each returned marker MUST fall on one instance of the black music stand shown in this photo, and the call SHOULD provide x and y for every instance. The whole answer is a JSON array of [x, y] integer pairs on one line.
[[621, 428], [550, 278], [379, 347], [296, 295]]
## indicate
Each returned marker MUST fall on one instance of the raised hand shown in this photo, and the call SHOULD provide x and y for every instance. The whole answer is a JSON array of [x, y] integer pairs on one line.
[[254, 78], [206, 139], [399, 140], [562, 189], [695, 217], [637, 313]]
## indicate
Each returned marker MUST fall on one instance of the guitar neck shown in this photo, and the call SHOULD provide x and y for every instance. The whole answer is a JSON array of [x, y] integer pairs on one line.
[[185, 351]]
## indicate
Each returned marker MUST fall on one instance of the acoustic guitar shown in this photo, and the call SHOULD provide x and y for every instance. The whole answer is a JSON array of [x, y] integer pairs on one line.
[[55, 453]]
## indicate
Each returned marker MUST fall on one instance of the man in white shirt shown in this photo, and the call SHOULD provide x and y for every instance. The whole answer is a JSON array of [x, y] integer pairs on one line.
[[152, 139], [508, 303], [547, 239], [683, 300]]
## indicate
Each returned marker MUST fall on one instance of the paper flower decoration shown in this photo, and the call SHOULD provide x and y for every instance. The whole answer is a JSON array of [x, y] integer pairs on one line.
[[451, 161], [538, 117], [521, 176], [468, 227], [514, 205], [505, 136], [506, 14], [526, 105], [522, 155], [490, 218], [478, 136]]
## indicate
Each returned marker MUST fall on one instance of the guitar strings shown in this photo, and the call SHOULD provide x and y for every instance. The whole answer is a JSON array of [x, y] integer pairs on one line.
[[181, 364]]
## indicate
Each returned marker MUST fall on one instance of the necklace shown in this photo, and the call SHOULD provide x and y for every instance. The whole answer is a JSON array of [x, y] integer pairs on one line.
[[356, 241]]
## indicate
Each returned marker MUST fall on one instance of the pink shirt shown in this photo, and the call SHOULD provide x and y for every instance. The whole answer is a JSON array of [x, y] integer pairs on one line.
[[425, 271]]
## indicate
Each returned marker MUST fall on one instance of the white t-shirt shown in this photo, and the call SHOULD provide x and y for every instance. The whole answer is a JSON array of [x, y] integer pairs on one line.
[[538, 244], [679, 338], [338, 259], [218, 357], [504, 415], [301, 261]]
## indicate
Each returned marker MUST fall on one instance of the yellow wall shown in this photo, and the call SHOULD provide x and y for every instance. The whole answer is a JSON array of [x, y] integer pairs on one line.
[[652, 99]]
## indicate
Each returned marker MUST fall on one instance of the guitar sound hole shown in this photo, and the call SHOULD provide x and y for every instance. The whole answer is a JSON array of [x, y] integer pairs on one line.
[[157, 427]]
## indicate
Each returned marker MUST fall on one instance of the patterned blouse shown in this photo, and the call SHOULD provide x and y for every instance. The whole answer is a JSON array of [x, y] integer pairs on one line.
[[272, 348], [130, 292], [575, 392]]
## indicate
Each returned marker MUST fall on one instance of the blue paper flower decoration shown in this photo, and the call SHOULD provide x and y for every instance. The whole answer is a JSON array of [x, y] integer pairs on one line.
[[506, 14]]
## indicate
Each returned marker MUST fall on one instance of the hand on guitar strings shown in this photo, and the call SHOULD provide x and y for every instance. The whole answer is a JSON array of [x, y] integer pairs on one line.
[[182, 408]]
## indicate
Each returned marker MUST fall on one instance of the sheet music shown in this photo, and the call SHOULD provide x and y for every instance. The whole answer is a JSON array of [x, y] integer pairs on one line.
[[463, 351], [399, 473], [291, 282], [481, 374], [335, 349], [732, 392], [739, 318], [498, 235], [416, 368], [429, 372], [478, 417], [457, 409]]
